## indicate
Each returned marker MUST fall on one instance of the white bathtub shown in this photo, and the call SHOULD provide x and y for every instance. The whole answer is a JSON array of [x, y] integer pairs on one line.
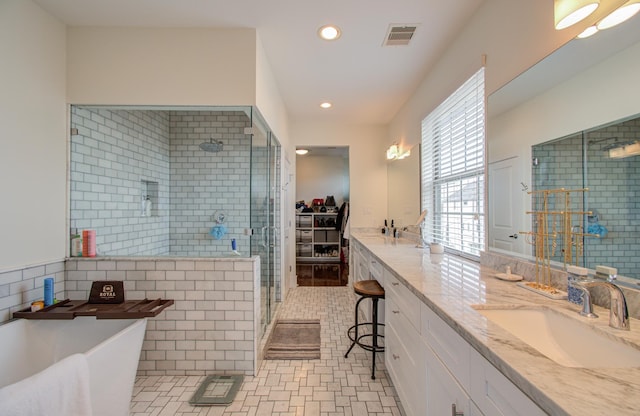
[[111, 346]]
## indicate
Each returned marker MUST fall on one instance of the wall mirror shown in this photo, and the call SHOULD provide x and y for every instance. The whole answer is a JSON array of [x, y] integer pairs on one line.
[[577, 93], [403, 189]]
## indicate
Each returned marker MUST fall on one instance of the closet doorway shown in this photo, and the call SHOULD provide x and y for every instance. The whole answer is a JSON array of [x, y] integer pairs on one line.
[[322, 212]]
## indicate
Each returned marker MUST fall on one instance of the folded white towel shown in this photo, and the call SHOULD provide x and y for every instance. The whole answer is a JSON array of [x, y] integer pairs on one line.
[[62, 389]]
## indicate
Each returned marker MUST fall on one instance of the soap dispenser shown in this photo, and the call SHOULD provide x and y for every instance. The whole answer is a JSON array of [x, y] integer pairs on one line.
[[575, 273]]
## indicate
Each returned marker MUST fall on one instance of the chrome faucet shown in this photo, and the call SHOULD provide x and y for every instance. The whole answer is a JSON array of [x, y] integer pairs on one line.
[[618, 314]]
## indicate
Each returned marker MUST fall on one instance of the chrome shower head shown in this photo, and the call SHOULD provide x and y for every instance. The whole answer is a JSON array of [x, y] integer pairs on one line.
[[211, 146]]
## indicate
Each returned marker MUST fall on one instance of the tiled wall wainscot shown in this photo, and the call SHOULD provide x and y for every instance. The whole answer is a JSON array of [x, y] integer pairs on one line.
[[18, 288], [214, 324]]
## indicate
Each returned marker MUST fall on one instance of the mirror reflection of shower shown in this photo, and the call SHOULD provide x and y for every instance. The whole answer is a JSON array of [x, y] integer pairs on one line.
[[604, 160]]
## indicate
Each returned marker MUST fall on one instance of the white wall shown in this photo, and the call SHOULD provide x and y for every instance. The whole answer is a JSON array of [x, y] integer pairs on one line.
[[32, 136], [320, 176], [367, 164], [176, 66], [268, 98]]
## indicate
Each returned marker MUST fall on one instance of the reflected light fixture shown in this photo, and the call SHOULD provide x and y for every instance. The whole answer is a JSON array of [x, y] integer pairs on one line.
[[301, 152], [326, 105], [569, 12], [329, 32], [619, 15], [590, 31], [393, 152], [626, 150]]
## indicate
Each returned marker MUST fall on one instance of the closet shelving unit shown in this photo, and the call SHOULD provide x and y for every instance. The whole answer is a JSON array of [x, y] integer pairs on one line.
[[317, 240]]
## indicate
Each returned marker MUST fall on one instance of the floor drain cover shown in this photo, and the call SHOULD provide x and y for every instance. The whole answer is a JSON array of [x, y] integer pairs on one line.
[[216, 390]]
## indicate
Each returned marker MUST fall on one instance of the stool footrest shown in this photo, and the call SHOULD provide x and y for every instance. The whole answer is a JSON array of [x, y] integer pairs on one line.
[[367, 347]]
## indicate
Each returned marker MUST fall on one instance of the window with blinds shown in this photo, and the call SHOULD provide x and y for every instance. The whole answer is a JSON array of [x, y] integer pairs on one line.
[[453, 169]]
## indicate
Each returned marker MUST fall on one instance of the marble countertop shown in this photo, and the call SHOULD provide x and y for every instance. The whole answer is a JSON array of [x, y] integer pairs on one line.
[[450, 285]]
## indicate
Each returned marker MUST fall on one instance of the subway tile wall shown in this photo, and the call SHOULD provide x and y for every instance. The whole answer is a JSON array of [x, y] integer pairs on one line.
[[213, 325], [614, 188], [118, 155], [18, 288], [204, 184], [112, 154]]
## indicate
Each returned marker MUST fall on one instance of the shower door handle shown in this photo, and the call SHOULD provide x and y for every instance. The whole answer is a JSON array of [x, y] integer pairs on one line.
[[264, 236]]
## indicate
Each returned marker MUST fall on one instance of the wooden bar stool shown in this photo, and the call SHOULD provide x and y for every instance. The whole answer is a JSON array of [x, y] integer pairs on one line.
[[367, 289]]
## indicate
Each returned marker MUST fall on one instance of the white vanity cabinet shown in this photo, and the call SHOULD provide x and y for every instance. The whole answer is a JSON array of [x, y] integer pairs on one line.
[[434, 370], [494, 394], [404, 349]]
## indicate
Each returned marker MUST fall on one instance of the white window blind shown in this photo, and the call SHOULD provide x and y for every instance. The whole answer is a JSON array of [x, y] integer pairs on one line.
[[453, 169]]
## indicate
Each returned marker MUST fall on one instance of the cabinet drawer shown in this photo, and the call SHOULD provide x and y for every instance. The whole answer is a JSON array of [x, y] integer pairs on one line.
[[304, 250], [495, 394], [304, 236], [406, 303], [404, 359], [450, 347], [304, 221]]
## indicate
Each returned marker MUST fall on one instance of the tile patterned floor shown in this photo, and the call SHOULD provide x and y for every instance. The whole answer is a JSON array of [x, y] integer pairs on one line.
[[333, 385]]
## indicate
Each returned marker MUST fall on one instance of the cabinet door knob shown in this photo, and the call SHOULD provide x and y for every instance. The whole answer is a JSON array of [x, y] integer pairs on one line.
[[395, 357], [395, 311], [395, 283], [454, 412]]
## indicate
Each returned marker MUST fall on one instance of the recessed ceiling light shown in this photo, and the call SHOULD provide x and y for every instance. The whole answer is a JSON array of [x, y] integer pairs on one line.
[[326, 104], [329, 32], [301, 152]]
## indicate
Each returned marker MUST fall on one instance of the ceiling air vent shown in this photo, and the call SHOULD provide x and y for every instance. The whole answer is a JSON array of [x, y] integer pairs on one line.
[[399, 35]]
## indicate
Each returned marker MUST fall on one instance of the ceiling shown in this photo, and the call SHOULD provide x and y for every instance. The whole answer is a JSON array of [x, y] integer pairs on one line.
[[366, 81]]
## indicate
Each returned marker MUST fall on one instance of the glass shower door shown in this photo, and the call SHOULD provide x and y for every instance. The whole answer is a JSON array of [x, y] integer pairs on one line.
[[264, 180]]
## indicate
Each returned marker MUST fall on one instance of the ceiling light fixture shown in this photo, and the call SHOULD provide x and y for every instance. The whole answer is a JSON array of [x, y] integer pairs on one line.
[[301, 152], [326, 105], [329, 32], [569, 12], [619, 15]]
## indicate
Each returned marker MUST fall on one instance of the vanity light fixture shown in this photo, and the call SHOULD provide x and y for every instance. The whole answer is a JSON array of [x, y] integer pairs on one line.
[[569, 12], [326, 105], [619, 15], [393, 152], [301, 152], [329, 32]]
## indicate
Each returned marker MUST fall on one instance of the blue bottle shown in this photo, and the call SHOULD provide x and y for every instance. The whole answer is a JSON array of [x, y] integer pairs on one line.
[[48, 291]]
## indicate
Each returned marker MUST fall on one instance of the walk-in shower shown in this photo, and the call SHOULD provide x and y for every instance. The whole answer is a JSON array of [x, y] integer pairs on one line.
[[211, 176]]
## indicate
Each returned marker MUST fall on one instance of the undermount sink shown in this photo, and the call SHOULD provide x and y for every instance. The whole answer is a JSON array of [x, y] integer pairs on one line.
[[565, 340]]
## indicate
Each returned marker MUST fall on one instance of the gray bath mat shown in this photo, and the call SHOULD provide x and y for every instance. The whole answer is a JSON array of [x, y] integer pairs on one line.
[[216, 390], [293, 339]]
